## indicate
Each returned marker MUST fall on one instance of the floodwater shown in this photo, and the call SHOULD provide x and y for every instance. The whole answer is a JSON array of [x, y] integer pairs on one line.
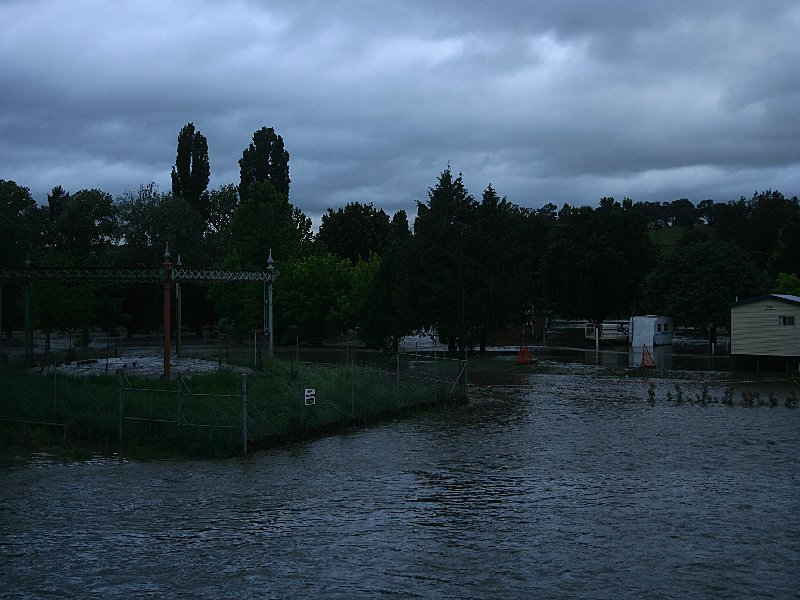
[[685, 353], [563, 487]]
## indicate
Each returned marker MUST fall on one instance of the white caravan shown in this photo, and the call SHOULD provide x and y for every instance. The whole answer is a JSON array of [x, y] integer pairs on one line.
[[650, 330]]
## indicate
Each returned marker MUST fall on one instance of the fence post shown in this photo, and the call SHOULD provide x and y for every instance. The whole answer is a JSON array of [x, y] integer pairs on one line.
[[352, 380], [28, 321], [435, 379], [180, 411], [462, 375], [244, 413], [121, 378], [397, 382]]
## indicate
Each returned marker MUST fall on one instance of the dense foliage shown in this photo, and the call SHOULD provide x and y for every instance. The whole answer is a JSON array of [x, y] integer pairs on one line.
[[697, 283], [465, 268], [596, 259]]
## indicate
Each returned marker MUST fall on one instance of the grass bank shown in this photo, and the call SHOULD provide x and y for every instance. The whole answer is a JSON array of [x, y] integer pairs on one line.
[[204, 415]]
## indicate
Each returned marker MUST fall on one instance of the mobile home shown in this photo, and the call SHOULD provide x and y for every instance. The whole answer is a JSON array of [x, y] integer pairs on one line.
[[766, 330]]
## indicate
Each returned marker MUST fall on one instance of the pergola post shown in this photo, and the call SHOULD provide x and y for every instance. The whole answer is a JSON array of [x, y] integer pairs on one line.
[[178, 316], [167, 296], [270, 280]]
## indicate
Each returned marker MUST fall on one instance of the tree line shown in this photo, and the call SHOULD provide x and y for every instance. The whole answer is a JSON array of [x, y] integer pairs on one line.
[[465, 267]]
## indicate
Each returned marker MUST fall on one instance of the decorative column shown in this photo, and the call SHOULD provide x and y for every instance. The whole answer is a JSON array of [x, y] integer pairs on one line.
[[167, 296], [178, 311], [270, 280]]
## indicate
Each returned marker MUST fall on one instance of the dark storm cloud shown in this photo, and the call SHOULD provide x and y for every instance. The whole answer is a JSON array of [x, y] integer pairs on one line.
[[548, 101]]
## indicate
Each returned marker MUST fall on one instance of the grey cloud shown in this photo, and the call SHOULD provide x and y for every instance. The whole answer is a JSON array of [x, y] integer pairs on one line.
[[561, 102]]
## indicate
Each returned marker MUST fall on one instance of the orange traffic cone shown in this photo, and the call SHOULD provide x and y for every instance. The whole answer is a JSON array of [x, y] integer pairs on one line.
[[524, 356], [647, 359]]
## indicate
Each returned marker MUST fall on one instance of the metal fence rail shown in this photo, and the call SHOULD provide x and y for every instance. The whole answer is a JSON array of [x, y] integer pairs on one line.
[[179, 408], [64, 426]]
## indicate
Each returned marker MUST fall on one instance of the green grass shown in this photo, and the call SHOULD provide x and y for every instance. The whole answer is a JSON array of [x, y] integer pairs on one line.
[[666, 238], [86, 408], [201, 415]]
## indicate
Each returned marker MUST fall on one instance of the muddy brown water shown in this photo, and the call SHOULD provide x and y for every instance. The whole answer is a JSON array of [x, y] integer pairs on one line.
[[558, 486]]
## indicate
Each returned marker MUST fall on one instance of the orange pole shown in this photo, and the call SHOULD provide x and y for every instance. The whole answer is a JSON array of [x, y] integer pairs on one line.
[[167, 297]]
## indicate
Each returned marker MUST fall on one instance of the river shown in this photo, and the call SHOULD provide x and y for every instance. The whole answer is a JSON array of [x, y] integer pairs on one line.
[[568, 487]]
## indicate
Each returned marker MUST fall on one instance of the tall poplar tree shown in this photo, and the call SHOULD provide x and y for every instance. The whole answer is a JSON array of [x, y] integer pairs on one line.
[[265, 159], [192, 172], [52, 214]]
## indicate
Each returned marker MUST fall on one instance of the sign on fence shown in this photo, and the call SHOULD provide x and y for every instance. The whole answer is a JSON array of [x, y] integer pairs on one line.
[[311, 396]]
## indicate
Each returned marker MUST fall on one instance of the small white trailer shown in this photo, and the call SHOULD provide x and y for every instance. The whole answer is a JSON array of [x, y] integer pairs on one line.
[[611, 332], [650, 331]]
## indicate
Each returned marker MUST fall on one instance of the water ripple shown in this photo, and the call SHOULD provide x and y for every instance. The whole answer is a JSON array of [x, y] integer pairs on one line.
[[569, 488]]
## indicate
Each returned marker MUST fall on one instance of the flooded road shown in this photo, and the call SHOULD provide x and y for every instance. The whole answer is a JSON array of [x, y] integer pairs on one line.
[[567, 486]]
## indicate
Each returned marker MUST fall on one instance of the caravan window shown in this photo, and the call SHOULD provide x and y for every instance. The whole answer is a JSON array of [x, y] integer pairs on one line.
[[658, 327], [784, 320]]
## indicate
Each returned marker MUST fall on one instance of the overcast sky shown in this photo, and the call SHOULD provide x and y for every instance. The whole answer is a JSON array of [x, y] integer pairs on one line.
[[562, 102]]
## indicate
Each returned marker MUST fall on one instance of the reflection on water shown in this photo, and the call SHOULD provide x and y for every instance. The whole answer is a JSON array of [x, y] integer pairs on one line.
[[665, 357], [566, 487], [685, 353]]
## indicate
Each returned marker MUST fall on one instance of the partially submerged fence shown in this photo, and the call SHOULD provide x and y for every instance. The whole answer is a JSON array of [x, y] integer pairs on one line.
[[181, 418], [223, 412], [290, 399]]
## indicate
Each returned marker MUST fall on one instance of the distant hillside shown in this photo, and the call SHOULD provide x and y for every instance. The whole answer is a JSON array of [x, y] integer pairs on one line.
[[666, 238]]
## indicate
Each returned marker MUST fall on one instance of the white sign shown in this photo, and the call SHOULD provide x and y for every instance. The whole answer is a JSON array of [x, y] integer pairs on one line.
[[311, 396]]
